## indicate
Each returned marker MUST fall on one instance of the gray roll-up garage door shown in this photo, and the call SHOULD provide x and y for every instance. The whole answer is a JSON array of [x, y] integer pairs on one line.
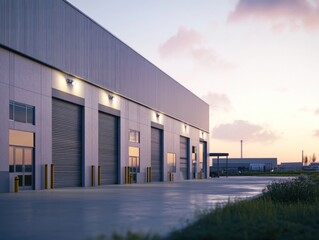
[[184, 157], [204, 157], [108, 148], [66, 143], [156, 154]]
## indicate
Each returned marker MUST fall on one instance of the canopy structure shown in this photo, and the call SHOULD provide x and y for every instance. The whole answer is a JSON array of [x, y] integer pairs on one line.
[[218, 155]]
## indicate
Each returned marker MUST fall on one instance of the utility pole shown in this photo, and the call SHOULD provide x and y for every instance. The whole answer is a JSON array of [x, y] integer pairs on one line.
[[241, 149], [302, 157]]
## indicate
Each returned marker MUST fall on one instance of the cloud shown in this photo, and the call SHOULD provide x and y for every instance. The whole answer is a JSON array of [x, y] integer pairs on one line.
[[187, 43], [303, 109], [218, 101], [207, 57], [316, 133], [317, 111], [291, 14], [243, 130], [181, 43]]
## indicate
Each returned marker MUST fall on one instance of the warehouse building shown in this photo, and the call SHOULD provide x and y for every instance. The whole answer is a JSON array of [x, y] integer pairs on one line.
[[235, 165], [81, 108]]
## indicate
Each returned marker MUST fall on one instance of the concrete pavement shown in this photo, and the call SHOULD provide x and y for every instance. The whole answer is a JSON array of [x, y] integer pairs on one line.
[[81, 213]]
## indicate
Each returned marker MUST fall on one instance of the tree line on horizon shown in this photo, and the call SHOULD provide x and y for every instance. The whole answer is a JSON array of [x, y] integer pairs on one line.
[[309, 159]]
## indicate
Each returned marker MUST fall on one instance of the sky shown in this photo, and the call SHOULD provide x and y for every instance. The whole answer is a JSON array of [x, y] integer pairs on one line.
[[255, 62]]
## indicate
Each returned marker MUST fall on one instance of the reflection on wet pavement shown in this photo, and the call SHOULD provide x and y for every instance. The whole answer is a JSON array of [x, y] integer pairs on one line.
[[80, 213]]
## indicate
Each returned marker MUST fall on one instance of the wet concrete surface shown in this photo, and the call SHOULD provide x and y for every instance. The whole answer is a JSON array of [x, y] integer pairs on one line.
[[83, 213]]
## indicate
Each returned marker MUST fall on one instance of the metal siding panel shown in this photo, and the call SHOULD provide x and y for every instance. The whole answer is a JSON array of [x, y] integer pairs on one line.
[[156, 154], [67, 143], [55, 33], [108, 148]]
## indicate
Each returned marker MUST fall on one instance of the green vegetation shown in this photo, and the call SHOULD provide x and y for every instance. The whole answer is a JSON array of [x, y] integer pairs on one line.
[[287, 209]]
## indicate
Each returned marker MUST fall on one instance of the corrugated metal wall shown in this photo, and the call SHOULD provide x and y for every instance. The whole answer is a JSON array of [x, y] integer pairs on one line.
[[57, 34]]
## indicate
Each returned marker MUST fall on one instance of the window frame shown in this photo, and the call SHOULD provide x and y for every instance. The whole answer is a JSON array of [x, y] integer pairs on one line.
[[138, 165], [171, 163], [28, 117], [134, 136]]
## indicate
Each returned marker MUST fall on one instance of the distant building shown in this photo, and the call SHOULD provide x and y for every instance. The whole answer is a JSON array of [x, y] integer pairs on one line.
[[312, 167], [290, 166], [245, 164]]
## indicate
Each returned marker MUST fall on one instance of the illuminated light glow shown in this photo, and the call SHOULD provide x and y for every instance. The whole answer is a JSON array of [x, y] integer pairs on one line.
[[108, 99], [70, 81], [202, 135], [184, 128], [156, 117]]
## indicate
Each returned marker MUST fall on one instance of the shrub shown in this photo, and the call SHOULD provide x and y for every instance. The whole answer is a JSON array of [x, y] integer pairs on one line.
[[300, 189]]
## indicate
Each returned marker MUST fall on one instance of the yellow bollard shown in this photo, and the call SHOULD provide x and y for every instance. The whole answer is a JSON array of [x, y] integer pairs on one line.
[[52, 176], [148, 174], [92, 175], [127, 176], [46, 176], [131, 178], [99, 175], [16, 184]]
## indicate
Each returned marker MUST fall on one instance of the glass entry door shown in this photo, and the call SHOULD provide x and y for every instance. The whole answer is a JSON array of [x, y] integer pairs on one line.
[[134, 168], [21, 162]]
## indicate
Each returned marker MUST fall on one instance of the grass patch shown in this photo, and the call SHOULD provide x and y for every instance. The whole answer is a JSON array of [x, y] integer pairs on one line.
[[258, 219], [287, 209]]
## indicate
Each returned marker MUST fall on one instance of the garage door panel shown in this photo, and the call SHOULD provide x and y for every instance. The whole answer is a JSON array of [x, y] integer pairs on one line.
[[108, 148], [67, 143], [184, 159], [156, 154]]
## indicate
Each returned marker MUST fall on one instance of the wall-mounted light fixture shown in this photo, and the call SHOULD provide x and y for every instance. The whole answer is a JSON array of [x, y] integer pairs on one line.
[[70, 81], [110, 97], [157, 115], [185, 126]]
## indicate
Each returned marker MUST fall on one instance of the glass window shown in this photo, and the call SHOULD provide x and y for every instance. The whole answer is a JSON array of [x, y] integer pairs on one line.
[[171, 162], [11, 110], [134, 158], [193, 154], [28, 159], [28, 180], [201, 156], [19, 159], [201, 152], [20, 113], [21, 138], [134, 136], [11, 161], [30, 115]]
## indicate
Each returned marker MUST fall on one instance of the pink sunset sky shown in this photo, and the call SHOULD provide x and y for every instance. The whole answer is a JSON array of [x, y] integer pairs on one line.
[[255, 62]]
